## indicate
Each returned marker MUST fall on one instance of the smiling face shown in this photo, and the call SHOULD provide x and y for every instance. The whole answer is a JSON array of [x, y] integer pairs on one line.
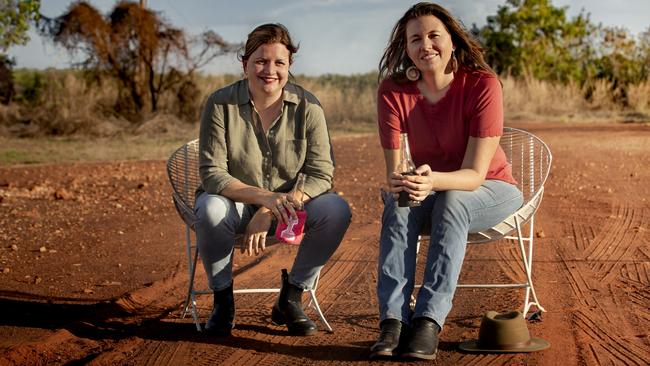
[[428, 44], [267, 69]]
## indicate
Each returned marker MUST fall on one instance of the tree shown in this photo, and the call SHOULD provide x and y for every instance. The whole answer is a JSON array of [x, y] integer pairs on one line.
[[535, 37], [137, 47], [644, 53], [14, 22]]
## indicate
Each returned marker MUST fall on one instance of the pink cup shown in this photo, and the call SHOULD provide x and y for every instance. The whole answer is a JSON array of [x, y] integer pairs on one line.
[[292, 233]]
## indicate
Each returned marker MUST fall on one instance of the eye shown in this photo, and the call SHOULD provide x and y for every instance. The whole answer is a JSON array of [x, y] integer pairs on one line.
[[280, 63], [260, 62]]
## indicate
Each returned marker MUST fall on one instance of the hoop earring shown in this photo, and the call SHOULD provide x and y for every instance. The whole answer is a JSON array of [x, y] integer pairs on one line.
[[454, 61], [412, 73]]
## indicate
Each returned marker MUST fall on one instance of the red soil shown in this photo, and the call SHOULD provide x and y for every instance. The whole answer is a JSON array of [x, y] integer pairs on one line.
[[93, 268]]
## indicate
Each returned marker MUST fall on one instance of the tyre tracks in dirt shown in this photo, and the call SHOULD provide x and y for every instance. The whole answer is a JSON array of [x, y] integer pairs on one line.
[[602, 245]]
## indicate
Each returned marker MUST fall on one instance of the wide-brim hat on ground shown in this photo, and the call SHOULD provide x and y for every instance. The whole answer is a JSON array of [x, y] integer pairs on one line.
[[504, 333]]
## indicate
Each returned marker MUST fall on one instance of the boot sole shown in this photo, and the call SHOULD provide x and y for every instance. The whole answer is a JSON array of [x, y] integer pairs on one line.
[[278, 319], [382, 354], [419, 356]]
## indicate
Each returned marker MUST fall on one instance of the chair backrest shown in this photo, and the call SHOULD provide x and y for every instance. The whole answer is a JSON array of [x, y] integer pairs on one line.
[[530, 158], [183, 173]]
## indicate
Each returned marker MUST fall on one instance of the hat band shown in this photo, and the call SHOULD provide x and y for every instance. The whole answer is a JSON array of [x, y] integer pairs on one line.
[[504, 347]]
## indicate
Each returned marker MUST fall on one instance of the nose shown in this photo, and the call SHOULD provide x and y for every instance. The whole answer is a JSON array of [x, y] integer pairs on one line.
[[426, 43], [269, 68]]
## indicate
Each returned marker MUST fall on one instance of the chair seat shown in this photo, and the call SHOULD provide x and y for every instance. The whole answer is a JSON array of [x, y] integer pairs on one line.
[[507, 226]]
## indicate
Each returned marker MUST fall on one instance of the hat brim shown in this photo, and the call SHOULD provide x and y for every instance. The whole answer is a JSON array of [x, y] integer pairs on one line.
[[536, 344]]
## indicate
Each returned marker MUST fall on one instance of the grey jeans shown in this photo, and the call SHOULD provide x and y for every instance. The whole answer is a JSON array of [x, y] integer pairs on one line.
[[220, 219]]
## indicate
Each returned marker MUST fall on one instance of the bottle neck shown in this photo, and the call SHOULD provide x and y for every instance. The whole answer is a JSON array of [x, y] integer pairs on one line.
[[406, 163]]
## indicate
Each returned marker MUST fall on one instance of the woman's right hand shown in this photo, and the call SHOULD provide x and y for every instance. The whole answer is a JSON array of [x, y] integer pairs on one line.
[[395, 183], [281, 205]]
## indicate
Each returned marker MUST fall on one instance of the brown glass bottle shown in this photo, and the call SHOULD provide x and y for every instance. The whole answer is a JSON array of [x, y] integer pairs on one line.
[[405, 167]]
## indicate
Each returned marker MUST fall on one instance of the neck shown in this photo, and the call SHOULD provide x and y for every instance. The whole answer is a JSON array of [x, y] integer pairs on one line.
[[265, 100], [437, 81]]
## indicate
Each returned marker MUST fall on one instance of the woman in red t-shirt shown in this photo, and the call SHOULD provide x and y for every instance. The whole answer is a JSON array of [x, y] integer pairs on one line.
[[437, 88]]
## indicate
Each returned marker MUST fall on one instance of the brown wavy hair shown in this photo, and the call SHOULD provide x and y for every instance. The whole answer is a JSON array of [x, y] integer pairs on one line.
[[395, 61], [265, 34]]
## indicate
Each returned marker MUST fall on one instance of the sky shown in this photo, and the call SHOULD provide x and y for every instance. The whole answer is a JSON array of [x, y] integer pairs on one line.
[[335, 36]]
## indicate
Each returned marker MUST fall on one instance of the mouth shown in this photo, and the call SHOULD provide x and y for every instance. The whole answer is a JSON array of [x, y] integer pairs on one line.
[[268, 79], [429, 56]]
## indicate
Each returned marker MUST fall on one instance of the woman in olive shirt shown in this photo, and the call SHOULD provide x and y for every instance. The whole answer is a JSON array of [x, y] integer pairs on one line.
[[256, 136]]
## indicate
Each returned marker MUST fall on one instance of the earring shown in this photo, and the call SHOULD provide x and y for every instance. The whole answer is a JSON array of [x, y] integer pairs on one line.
[[412, 73], [454, 61]]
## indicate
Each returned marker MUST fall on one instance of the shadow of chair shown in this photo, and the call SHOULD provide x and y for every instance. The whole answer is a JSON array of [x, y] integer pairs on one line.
[[183, 173]]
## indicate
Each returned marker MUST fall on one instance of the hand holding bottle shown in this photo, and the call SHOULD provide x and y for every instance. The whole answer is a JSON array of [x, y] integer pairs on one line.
[[419, 185]]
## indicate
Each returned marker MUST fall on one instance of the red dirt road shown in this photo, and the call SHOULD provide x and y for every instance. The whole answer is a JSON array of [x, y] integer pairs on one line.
[[93, 270]]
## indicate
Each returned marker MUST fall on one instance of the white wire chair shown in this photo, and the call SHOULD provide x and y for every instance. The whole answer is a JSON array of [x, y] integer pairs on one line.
[[183, 173], [530, 159]]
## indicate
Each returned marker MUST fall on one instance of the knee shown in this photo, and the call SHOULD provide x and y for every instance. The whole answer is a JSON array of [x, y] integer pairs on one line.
[[333, 208], [340, 209], [212, 210]]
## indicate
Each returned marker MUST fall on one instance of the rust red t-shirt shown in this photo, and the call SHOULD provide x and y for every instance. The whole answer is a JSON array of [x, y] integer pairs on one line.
[[438, 133]]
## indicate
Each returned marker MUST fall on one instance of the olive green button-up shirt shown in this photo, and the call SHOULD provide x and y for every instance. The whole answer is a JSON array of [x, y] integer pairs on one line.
[[233, 144]]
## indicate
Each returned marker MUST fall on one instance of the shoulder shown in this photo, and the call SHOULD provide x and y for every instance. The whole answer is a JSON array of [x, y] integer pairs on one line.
[[479, 80], [231, 94], [390, 86], [297, 94]]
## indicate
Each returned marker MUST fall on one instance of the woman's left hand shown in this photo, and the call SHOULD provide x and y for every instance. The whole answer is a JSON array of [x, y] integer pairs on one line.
[[255, 234], [419, 185]]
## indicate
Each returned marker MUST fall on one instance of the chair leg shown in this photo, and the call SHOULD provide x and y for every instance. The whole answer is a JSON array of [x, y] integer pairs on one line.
[[313, 303], [191, 295], [190, 269], [526, 256], [417, 254]]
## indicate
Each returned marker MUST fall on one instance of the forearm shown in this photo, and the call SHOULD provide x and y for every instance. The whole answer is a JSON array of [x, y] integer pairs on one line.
[[463, 180], [391, 158], [240, 192]]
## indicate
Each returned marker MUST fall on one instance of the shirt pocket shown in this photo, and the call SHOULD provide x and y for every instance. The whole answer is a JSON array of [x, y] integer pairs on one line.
[[294, 157]]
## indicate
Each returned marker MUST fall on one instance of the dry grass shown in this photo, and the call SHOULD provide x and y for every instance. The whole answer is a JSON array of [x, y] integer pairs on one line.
[[639, 97], [536, 100], [70, 119]]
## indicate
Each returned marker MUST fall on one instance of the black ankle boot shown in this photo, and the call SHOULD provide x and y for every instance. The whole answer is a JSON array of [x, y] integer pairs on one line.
[[222, 319], [388, 342], [422, 341], [288, 309]]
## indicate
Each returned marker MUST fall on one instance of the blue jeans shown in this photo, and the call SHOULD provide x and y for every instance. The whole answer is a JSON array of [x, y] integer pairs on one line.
[[220, 219], [452, 215]]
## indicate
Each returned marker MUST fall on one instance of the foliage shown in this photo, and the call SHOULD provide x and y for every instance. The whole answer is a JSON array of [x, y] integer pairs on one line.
[[138, 48], [533, 37], [6, 81], [14, 21]]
